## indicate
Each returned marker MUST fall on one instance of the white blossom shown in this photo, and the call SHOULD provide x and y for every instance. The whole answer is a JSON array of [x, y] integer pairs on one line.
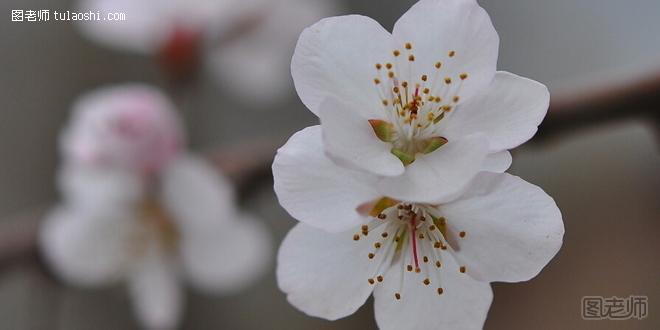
[[400, 190], [138, 209], [422, 107]]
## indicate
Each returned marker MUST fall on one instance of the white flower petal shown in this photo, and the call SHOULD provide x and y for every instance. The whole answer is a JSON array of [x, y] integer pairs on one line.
[[350, 139], [508, 113], [436, 27], [497, 162], [316, 191], [440, 175], [323, 274], [513, 228], [196, 194], [227, 257], [463, 304], [255, 66], [155, 290], [337, 57], [87, 250], [95, 189]]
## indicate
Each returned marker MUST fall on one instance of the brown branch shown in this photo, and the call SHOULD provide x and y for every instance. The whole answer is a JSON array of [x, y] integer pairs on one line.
[[246, 164], [617, 102]]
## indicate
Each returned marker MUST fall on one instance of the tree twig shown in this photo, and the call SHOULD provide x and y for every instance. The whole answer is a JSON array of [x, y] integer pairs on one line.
[[246, 164], [622, 101]]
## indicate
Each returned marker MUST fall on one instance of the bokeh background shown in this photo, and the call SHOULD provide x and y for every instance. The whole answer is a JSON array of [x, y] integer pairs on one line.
[[605, 178]]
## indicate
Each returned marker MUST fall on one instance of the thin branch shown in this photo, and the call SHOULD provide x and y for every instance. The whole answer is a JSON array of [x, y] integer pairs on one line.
[[571, 112], [246, 164]]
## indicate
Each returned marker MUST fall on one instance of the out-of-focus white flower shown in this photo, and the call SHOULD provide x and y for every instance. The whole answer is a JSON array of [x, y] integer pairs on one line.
[[422, 107], [248, 43], [428, 264], [136, 208]]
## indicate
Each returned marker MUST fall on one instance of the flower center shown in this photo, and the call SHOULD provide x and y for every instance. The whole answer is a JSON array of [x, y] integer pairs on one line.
[[157, 222], [414, 106], [415, 234]]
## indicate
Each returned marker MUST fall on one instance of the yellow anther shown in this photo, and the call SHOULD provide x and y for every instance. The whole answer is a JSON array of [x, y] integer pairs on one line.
[[452, 53], [463, 76], [396, 52], [447, 80], [408, 46], [411, 58], [438, 65]]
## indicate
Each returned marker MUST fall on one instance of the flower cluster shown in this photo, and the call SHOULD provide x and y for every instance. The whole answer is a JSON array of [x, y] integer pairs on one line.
[[401, 190], [138, 209]]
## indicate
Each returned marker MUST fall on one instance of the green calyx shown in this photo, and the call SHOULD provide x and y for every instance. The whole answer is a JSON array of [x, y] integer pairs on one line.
[[431, 144], [384, 130], [405, 157]]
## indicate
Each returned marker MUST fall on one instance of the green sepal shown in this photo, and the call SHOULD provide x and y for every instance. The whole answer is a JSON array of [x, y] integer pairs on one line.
[[405, 158], [384, 130], [431, 144], [381, 205]]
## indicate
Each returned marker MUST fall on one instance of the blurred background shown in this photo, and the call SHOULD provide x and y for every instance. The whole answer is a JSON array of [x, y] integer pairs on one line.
[[604, 176]]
